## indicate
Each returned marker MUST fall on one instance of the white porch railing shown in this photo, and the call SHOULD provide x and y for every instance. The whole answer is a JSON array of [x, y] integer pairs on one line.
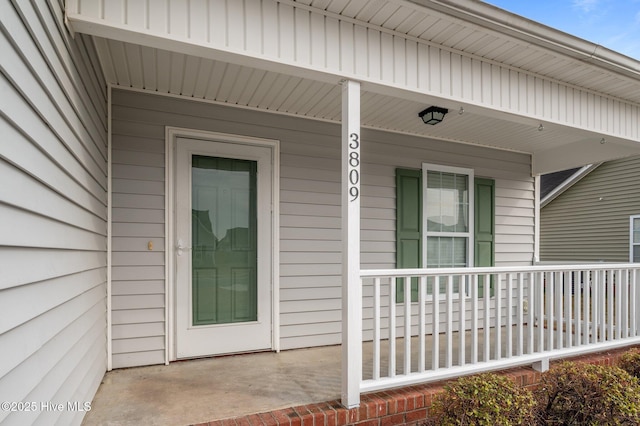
[[463, 321]]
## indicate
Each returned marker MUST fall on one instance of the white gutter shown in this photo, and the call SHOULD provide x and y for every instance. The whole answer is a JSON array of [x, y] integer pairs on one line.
[[535, 33], [568, 183]]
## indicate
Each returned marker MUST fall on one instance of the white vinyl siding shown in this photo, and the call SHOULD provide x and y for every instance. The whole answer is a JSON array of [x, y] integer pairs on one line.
[[310, 271], [589, 222], [53, 196]]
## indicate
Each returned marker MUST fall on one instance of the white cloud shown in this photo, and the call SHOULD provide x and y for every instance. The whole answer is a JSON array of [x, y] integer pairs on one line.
[[585, 6]]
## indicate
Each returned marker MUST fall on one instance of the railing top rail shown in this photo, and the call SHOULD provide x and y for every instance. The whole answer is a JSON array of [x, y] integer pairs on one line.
[[369, 273]]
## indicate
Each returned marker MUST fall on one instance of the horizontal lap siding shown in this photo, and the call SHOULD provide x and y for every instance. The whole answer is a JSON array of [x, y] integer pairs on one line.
[[138, 289], [590, 221], [310, 271], [53, 206]]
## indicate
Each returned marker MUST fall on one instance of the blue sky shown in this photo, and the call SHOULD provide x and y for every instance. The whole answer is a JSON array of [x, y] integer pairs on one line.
[[614, 24]]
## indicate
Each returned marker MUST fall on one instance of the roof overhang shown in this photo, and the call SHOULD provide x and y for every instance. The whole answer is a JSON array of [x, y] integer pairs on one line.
[[508, 74]]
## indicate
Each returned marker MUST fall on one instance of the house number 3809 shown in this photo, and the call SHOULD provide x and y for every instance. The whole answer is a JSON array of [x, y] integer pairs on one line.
[[354, 166]]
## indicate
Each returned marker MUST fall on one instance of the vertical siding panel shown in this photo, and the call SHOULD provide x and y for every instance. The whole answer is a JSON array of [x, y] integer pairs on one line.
[[270, 45], [158, 16], [237, 23], [178, 18], [387, 56], [361, 48], [198, 21], [468, 80], [286, 32], [399, 61], [318, 41], [457, 76], [218, 27], [347, 51], [505, 88], [253, 33], [562, 104], [111, 11], [547, 110], [423, 67], [332, 51], [485, 83], [435, 78], [302, 39], [136, 13], [445, 72], [514, 90]]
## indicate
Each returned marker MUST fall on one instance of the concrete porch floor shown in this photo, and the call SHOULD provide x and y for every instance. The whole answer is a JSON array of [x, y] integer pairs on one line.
[[202, 390]]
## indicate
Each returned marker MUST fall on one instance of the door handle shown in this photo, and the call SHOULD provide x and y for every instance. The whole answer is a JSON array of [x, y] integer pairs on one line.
[[181, 247]]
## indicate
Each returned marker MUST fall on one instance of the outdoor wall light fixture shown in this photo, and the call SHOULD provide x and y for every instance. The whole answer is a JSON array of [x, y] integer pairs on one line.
[[433, 115]]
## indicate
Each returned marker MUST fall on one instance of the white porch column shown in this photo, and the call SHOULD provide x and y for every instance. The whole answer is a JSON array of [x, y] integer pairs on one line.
[[351, 285]]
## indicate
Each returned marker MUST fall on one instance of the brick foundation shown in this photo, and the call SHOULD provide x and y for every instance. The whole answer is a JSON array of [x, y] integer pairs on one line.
[[403, 406]]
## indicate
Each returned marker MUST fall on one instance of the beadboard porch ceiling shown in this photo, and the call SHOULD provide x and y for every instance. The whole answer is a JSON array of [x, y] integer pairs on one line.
[[132, 65]]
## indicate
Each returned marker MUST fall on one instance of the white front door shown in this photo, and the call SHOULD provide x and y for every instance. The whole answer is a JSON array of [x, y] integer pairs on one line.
[[223, 247]]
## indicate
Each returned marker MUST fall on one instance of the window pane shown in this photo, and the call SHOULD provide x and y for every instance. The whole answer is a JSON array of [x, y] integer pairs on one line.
[[636, 230], [636, 253], [446, 252], [447, 200]]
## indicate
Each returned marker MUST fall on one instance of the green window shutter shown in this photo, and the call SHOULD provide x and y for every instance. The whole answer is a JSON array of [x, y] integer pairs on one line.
[[484, 238], [408, 225]]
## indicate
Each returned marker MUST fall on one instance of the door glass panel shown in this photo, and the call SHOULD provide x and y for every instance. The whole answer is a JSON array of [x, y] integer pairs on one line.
[[224, 249]]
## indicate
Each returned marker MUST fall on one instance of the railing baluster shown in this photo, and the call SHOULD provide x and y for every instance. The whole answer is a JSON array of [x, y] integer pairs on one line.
[[509, 315], [633, 310], [624, 300], [462, 321], [610, 304], [617, 291], [519, 315], [530, 312], [435, 290], [474, 319], [498, 320], [602, 294], [558, 323], [577, 321], [407, 325], [376, 328], [449, 313], [595, 309], [540, 309], [487, 316], [392, 327], [550, 290], [569, 289], [422, 298]]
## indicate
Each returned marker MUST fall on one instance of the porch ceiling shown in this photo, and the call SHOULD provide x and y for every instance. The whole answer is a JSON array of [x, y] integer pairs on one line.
[[473, 28]]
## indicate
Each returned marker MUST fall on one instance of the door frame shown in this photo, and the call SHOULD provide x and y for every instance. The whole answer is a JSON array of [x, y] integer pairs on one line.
[[171, 135]]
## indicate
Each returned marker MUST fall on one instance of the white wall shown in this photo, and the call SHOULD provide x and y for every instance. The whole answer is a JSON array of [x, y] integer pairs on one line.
[[53, 196]]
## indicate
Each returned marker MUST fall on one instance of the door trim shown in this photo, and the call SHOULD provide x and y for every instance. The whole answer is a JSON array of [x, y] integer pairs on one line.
[[171, 134]]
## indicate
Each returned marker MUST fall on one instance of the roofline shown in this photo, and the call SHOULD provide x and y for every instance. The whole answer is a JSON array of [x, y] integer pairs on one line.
[[568, 183], [527, 30]]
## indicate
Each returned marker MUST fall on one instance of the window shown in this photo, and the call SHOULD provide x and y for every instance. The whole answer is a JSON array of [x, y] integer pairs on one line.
[[445, 217], [447, 203], [634, 239]]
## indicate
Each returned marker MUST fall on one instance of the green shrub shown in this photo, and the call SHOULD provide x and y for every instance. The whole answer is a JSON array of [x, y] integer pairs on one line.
[[485, 399], [630, 362], [584, 394]]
